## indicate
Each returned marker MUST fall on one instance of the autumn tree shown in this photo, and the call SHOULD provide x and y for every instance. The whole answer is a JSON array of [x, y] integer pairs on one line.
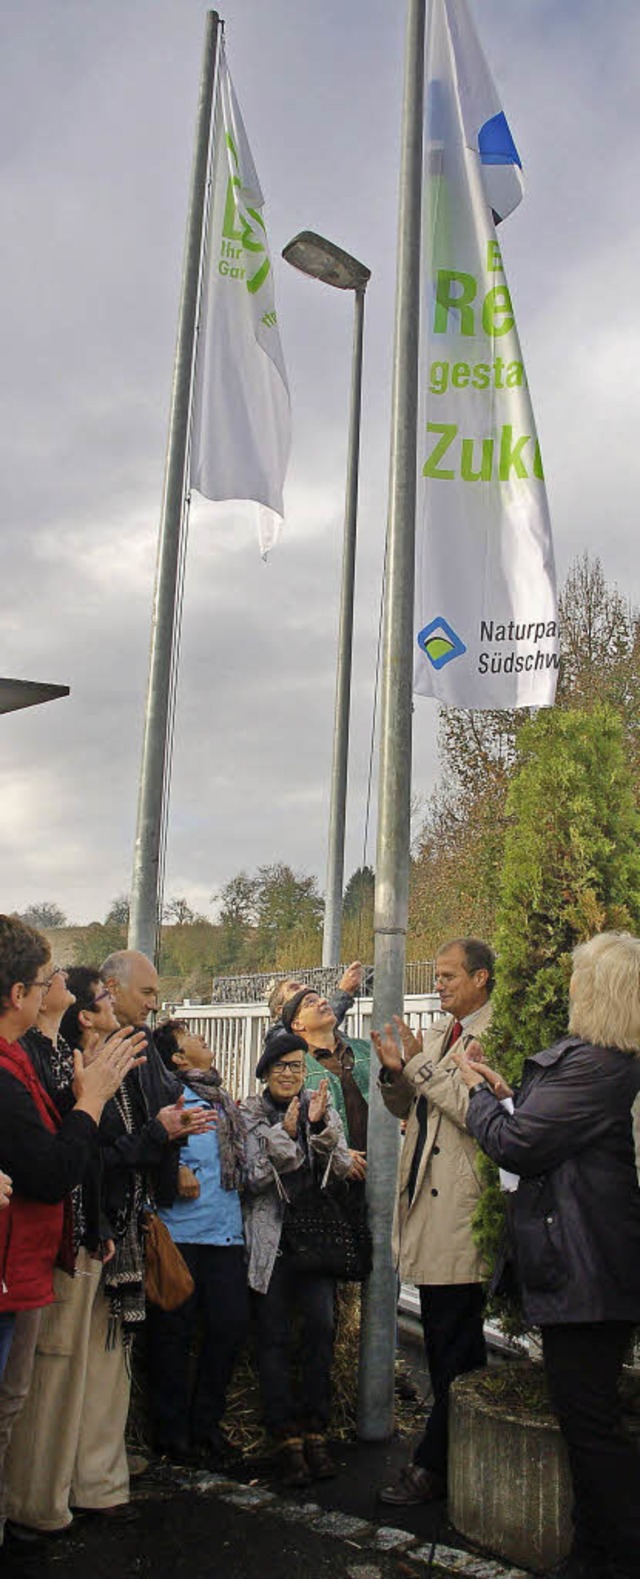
[[177, 912], [46, 915], [118, 912], [456, 867]]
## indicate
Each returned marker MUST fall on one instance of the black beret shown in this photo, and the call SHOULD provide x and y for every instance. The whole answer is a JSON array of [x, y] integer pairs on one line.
[[290, 1008], [277, 1042]]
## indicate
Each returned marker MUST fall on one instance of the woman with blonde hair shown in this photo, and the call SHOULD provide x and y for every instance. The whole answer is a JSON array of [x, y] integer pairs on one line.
[[575, 1221]]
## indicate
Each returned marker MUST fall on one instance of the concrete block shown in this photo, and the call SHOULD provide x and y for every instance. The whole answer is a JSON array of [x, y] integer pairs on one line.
[[509, 1484]]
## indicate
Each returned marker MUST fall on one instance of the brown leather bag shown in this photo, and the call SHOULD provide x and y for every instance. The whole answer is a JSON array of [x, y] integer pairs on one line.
[[167, 1279]]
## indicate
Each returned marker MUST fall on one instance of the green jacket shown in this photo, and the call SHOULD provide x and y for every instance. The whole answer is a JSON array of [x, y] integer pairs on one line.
[[315, 1072]]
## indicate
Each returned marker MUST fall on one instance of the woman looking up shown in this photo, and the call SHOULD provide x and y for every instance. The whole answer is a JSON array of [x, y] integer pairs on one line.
[[205, 1220], [575, 1222]]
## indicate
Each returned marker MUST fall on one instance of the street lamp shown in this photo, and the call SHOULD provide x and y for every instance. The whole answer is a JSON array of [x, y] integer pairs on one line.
[[323, 260]]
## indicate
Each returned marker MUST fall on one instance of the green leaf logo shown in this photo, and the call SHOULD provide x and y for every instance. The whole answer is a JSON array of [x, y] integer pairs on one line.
[[440, 643]]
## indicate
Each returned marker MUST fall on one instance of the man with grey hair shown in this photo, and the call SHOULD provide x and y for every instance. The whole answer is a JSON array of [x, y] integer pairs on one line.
[[341, 1000], [132, 980]]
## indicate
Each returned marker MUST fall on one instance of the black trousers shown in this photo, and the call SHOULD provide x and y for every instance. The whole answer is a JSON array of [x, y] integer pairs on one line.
[[452, 1317], [311, 1296], [583, 1363], [221, 1295]]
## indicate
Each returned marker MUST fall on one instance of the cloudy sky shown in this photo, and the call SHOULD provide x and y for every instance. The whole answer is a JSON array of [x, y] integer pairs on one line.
[[97, 110]]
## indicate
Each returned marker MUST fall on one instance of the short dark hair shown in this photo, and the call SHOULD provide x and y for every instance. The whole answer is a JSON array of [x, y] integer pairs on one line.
[[477, 956], [165, 1037], [22, 951], [81, 981]]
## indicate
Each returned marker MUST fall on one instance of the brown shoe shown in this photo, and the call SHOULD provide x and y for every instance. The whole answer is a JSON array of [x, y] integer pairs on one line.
[[292, 1464], [415, 1485], [319, 1458]]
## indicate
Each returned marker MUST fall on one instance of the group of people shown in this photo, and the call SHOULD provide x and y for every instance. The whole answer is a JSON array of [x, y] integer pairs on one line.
[[102, 1119]]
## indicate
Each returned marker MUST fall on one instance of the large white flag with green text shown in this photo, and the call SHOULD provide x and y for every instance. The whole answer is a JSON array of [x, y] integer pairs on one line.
[[241, 428], [486, 616]]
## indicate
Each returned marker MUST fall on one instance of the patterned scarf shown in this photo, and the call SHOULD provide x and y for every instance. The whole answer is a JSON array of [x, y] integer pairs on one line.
[[230, 1130], [124, 1275]]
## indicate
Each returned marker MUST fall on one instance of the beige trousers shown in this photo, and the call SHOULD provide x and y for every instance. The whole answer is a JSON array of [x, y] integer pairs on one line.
[[14, 1388], [68, 1446]]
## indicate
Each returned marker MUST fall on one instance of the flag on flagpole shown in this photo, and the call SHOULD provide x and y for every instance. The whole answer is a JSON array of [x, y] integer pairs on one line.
[[241, 428], [485, 603]]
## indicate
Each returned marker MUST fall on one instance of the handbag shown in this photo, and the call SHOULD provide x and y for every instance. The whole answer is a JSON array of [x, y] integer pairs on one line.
[[167, 1279], [326, 1231]]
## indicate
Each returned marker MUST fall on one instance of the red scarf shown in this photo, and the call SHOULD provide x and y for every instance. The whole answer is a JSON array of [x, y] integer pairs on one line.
[[18, 1063]]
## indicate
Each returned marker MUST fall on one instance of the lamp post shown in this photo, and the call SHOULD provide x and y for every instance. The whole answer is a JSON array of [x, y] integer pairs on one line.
[[325, 261]]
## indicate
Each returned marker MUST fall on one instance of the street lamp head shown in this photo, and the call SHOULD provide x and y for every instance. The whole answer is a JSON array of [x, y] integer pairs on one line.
[[323, 260]]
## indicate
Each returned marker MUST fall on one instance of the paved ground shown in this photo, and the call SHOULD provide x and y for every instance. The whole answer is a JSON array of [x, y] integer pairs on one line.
[[207, 1527], [198, 1526]]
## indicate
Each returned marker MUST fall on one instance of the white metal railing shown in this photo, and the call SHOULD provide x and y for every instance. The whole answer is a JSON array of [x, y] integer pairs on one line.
[[235, 1032]]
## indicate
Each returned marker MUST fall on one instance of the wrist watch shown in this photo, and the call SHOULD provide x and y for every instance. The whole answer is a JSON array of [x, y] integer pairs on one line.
[[481, 1085]]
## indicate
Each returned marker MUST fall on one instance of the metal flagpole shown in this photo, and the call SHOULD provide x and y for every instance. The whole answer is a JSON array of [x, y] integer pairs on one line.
[[337, 812], [145, 895], [377, 1344]]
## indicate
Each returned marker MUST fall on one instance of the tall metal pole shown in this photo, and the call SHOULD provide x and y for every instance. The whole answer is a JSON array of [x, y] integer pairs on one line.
[[337, 811], [377, 1348], [143, 924]]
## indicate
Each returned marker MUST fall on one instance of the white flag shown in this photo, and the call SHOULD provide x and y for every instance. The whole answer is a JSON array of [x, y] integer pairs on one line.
[[486, 615], [241, 416]]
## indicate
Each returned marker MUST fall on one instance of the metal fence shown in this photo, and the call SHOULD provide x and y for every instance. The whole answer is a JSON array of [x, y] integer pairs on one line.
[[418, 978], [235, 1031]]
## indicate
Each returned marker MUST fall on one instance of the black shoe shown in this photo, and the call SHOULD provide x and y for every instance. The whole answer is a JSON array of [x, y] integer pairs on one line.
[[575, 1567], [414, 1485], [21, 1534], [215, 1451], [178, 1453]]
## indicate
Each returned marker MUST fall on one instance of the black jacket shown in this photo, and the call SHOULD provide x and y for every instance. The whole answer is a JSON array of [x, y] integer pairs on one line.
[[93, 1227], [575, 1217], [146, 1150]]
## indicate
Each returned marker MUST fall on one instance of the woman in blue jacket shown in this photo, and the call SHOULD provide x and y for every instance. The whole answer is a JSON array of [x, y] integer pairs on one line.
[[205, 1221]]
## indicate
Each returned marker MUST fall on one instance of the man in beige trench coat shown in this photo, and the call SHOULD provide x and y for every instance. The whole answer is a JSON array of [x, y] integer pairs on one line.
[[438, 1191]]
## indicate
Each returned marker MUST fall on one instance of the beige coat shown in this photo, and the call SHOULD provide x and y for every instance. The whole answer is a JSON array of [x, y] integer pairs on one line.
[[432, 1238]]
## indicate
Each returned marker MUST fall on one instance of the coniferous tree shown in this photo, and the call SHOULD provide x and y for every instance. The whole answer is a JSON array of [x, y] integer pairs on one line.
[[571, 869]]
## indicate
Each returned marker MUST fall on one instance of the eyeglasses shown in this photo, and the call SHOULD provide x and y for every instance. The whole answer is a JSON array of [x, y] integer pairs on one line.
[[281, 1068], [99, 997], [60, 970]]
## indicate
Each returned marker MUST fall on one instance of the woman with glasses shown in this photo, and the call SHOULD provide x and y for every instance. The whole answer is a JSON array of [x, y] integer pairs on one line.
[[45, 1153], [292, 1137], [68, 1445]]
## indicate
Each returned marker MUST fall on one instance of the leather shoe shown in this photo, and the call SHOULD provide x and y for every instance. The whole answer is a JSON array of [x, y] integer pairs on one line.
[[318, 1458], [415, 1485], [292, 1464]]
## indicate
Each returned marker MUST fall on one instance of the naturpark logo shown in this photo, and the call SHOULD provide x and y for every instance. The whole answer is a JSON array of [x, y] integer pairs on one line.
[[439, 642], [243, 231]]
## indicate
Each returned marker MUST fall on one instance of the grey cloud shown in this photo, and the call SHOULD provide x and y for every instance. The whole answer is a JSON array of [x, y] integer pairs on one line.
[[96, 128]]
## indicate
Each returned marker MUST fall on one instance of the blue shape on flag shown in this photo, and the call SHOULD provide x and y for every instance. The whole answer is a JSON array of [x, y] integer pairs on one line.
[[495, 142], [439, 643]]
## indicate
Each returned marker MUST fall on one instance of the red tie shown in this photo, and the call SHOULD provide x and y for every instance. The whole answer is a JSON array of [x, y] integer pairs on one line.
[[456, 1033]]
